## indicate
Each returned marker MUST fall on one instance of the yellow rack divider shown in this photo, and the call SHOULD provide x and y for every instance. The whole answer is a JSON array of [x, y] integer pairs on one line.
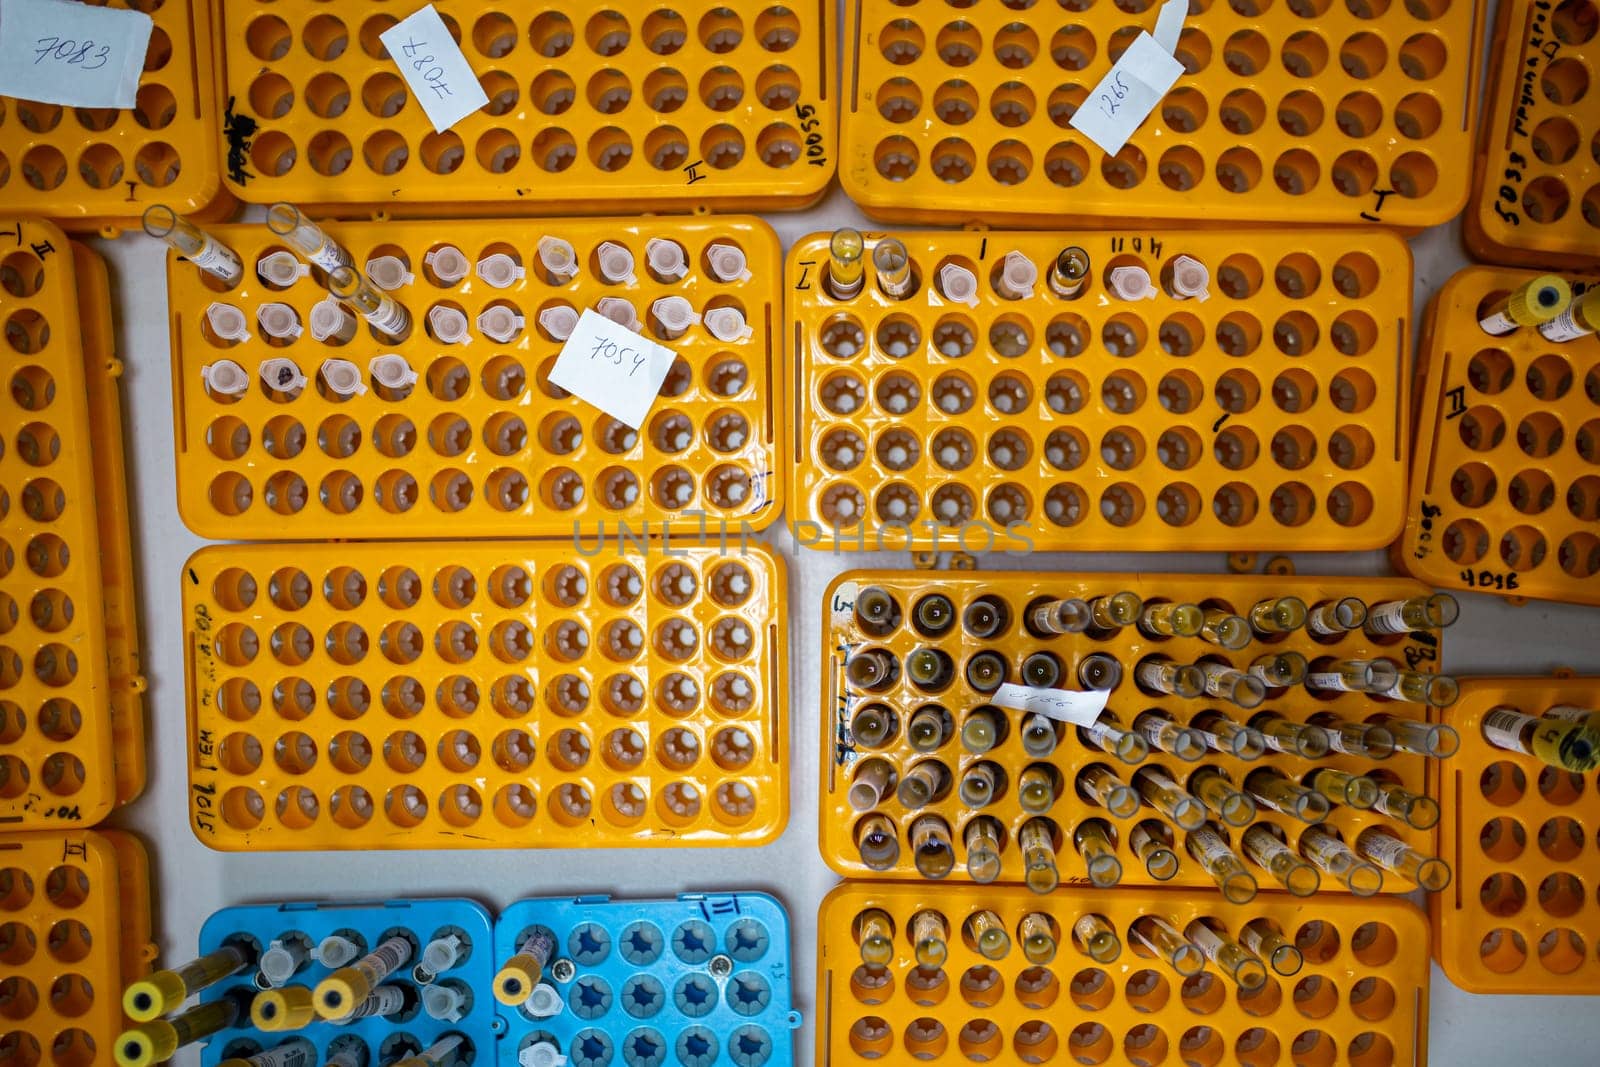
[[1521, 915], [485, 695], [708, 104], [1360, 997], [268, 466], [1304, 111], [61, 764], [841, 635], [76, 911], [98, 168], [1536, 186], [1268, 416], [1505, 476]]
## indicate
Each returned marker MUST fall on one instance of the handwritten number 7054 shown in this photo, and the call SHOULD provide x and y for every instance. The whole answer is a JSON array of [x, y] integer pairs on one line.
[[1119, 89], [71, 52]]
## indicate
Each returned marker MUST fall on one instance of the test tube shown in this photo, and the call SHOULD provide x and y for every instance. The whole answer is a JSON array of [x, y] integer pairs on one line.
[[924, 782], [874, 932], [982, 839], [958, 285], [1268, 852], [1212, 851], [1225, 629], [1158, 674], [671, 317], [1224, 735], [281, 269], [226, 322], [225, 380], [1331, 618], [500, 323], [1092, 838], [873, 779], [157, 1039], [1279, 670], [447, 264], [330, 323], [386, 315], [448, 325], [1100, 785], [1341, 787], [290, 1007], [521, 972], [1159, 729], [1533, 303], [1108, 614], [345, 989], [383, 1001], [1096, 938], [1169, 798], [1151, 841], [872, 669], [500, 271], [279, 321], [392, 376], [544, 1002], [1233, 685], [1277, 615], [558, 320], [541, 1054], [1566, 737], [931, 850], [341, 379], [163, 991], [614, 263], [876, 611], [1042, 670], [1415, 810], [388, 272], [930, 937], [1186, 278], [986, 671], [1166, 943], [667, 263], [877, 842], [1038, 855], [1412, 614], [558, 259], [1217, 791], [1334, 858], [1267, 941], [1098, 672], [891, 263], [1290, 738], [727, 262], [1415, 687], [1131, 283], [194, 244], [1037, 936], [930, 669], [933, 615], [1351, 675], [1580, 319], [1037, 788], [283, 958], [1107, 735], [435, 1055], [1051, 617], [1392, 854], [846, 266], [1167, 619], [985, 617], [1365, 739], [1231, 958], [726, 324], [984, 931], [1016, 276], [335, 950], [874, 726], [1435, 740], [1273, 788], [980, 783], [307, 238], [930, 727], [982, 729], [1038, 735], [1069, 273]]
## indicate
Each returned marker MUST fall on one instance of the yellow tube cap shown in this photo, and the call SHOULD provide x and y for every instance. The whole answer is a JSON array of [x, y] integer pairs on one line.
[[152, 997], [337, 995], [1541, 300], [289, 1008], [144, 1045], [515, 981]]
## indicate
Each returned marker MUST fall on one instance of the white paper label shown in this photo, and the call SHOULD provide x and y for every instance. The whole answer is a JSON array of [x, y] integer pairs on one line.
[[842, 605], [1063, 705], [1127, 94], [63, 52], [1169, 25], [1328, 680], [432, 64], [1388, 619], [1564, 327], [612, 368], [1498, 324]]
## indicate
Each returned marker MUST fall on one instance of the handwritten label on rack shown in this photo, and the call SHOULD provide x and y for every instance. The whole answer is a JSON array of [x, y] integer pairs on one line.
[[68, 53], [432, 64], [1064, 705], [1127, 94], [612, 368]]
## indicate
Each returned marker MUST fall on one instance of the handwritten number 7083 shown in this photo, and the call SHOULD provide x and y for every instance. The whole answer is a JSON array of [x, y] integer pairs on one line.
[[71, 52]]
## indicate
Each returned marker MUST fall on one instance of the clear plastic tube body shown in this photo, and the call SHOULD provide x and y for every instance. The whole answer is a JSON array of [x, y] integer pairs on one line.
[[1565, 737], [1098, 671], [1217, 791], [933, 615], [1274, 789], [931, 850], [1229, 957], [924, 782], [1171, 620], [1416, 811], [1412, 614], [846, 263], [1038, 856], [1269, 853], [1415, 687], [1038, 735], [1151, 841], [980, 783], [1158, 674], [156, 1040], [1279, 670], [1037, 788], [1330, 618], [385, 314], [1069, 616], [1158, 729], [1096, 938], [1225, 629], [165, 991], [1227, 683], [1069, 273], [1092, 838], [194, 244], [1167, 797], [1290, 738], [873, 726], [1341, 787], [306, 237], [1334, 858], [1277, 615], [930, 937], [1267, 941], [1110, 613], [929, 728], [1432, 739], [1037, 935], [982, 839], [1212, 851], [876, 612], [1100, 785], [871, 669], [1224, 735], [1042, 670], [1351, 675], [1164, 941], [877, 842], [1365, 739], [1107, 735], [1392, 854], [985, 617], [986, 933], [892, 264], [986, 671], [982, 730], [874, 932], [873, 779], [930, 669]]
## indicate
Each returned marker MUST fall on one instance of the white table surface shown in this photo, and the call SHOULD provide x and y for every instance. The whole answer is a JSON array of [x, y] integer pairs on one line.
[[191, 881]]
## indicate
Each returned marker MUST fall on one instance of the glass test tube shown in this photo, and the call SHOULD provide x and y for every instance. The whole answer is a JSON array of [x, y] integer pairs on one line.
[[1267, 851], [342, 992], [1038, 855], [1534, 302], [1167, 797], [1224, 735], [1100, 785], [1364, 739], [1217, 791], [1096, 938], [846, 267], [1330, 618], [984, 931], [157, 1039], [872, 780], [1279, 670], [980, 783], [982, 840], [1235, 686], [1415, 687], [1110, 613], [1161, 732], [1038, 735], [1171, 620], [1580, 319], [1231, 958], [164, 991], [1069, 273], [933, 615], [1225, 629], [874, 933], [1099, 672], [930, 669], [892, 265], [1037, 787], [1412, 614], [1159, 674], [194, 244], [924, 782], [930, 937], [877, 842], [522, 972], [931, 850], [1107, 735], [1042, 670], [985, 617], [1166, 943], [1092, 839], [982, 729], [306, 237], [1262, 937], [1273, 788], [1037, 935], [1151, 841], [1565, 737], [1212, 851], [1341, 787], [1432, 739], [1333, 857], [930, 727], [871, 669], [873, 726], [1277, 615], [876, 611], [1068, 616], [1392, 854], [1394, 800], [294, 1052], [1290, 738], [385, 314], [986, 671]]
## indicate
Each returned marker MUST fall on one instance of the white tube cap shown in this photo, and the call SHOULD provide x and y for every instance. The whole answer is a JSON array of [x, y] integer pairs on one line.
[[278, 964], [449, 325], [225, 377], [1019, 275], [389, 272], [665, 258], [227, 322], [499, 323], [329, 318], [544, 1002], [500, 270], [278, 320], [559, 321], [1131, 283], [390, 372], [281, 374], [727, 263], [958, 284], [558, 257], [1190, 278], [542, 1054], [335, 951], [449, 263], [727, 324], [616, 263], [443, 1002], [674, 313], [342, 378], [282, 269], [619, 311]]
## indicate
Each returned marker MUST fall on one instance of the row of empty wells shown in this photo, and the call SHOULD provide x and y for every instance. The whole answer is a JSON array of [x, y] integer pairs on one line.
[[47, 935], [1353, 173]]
